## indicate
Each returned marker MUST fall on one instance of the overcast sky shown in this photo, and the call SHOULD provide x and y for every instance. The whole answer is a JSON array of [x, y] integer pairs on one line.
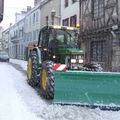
[[11, 7]]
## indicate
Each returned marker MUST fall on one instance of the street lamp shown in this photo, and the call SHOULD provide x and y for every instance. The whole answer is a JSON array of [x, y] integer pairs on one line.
[[53, 12]]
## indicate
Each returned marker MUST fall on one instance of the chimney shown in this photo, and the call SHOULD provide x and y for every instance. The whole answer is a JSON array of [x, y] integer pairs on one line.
[[10, 24], [29, 8], [23, 12]]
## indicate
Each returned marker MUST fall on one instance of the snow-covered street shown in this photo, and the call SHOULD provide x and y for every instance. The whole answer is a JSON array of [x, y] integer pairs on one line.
[[12, 105], [19, 101]]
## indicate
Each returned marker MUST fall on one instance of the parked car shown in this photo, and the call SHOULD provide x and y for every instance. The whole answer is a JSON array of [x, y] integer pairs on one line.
[[4, 56]]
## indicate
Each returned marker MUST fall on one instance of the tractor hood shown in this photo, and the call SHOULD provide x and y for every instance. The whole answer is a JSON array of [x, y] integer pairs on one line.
[[70, 51]]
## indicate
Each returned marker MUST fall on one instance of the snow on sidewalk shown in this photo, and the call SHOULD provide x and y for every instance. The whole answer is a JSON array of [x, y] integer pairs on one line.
[[12, 106]]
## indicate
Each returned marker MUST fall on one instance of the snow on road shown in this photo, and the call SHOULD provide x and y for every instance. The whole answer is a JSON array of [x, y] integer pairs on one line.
[[19, 101], [12, 106]]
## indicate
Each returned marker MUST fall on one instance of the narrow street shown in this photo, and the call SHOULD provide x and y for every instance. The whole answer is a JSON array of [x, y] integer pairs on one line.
[[19, 101]]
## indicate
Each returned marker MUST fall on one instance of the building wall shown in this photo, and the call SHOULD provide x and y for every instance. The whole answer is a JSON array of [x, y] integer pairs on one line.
[[69, 11], [32, 27], [32, 20], [99, 36], [24, 32], [16, 36], [47, 8]]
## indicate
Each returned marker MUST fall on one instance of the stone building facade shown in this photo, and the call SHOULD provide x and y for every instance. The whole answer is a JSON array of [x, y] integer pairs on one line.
[[100, 32]]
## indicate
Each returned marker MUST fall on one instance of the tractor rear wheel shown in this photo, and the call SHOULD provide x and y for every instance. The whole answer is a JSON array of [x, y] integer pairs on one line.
[[32, 69], [47, 80], [92, 67]]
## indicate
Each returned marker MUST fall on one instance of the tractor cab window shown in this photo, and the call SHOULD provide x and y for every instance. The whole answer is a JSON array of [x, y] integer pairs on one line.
[[44, 37], [62, 38]]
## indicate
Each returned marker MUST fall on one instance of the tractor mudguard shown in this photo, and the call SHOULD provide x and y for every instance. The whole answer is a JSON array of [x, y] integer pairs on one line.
[[87, 88]]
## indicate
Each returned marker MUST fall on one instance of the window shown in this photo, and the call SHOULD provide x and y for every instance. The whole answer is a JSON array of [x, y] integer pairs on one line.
[[73, 1], [73, 21], [16, 33], [22, 50], [36, 35], [44, 38], [62, 38], [47, 18], [98, 50], [98, 9], [37, 15], [33, 18], [27, 37], [26, 23], [66, 3], [30, 37], [66, 22], [30, 21], [35, 2]]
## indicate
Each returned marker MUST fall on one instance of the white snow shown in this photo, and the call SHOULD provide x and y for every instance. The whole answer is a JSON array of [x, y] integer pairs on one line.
[[22, 63], [12, 106], [19, 101]]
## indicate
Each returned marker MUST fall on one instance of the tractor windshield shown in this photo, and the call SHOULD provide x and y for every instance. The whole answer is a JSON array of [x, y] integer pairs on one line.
[[63, 38]]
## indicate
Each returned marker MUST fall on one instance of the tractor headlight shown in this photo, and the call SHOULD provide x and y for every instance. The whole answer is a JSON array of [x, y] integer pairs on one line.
[[73, 60], [45, 49], [54, 56], [80, 60]]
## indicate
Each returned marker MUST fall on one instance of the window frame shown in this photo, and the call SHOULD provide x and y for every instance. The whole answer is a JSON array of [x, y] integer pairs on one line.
[[74, 1], [65, 22], [66, 3], [98, 51], [97, 8], [73, 21]]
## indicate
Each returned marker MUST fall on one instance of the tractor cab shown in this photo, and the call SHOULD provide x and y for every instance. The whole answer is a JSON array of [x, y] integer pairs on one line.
[[59, 44]]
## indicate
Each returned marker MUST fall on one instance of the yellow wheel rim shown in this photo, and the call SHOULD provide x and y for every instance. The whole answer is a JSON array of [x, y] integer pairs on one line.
[[44, 79], [29, 68]]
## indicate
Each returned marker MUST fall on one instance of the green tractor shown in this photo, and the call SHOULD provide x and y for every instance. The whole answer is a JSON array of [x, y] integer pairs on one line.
[[58, 67]]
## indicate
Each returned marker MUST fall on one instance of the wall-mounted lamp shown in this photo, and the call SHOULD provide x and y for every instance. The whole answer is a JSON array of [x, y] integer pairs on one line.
[[53, 12]]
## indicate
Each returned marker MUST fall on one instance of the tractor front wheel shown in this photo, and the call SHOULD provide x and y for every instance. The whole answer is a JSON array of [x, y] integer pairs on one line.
[[32, 69], [47, 80]]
